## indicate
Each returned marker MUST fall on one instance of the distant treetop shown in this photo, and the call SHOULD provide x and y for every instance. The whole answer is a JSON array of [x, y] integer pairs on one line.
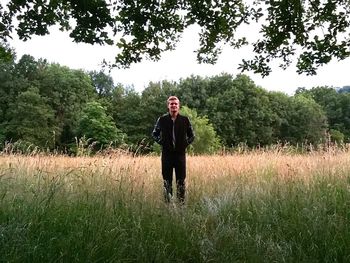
[[345, 89]]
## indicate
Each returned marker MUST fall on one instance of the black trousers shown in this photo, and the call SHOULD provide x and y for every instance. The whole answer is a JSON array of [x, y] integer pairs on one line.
[[171, 161]]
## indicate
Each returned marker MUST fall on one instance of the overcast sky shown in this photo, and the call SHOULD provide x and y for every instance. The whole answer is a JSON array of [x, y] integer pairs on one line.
[[181, 63]]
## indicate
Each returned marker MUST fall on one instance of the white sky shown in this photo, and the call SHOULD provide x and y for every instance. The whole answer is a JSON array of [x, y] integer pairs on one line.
[[181, 63]]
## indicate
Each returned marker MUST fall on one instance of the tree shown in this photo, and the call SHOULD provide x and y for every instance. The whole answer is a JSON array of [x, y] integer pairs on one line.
[[280, 105], [241, 113], [336, 136], [104, 87], [30, 69], [314, 31], [193, 92], [7, 87], [206, 140], [31, 120], [335, 104], [307, 122], [99, 127], [128, 115], [6, 53], [102, 82], [345, 107], [67, 91]]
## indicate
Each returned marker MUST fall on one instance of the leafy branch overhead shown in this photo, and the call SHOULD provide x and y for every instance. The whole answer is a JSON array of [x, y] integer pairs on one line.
[[311, 31]]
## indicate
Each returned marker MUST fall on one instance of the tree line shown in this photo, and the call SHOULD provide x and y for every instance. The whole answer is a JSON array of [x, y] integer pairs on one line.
[[56, 108]]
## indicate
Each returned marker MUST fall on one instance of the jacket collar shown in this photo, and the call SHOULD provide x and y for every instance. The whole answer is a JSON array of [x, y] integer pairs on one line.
[[169, 116]]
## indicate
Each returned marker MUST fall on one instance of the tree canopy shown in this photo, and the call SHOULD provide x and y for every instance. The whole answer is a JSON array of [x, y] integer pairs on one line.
[[206, 139], [96, 125], [312, 31], [50, 107]]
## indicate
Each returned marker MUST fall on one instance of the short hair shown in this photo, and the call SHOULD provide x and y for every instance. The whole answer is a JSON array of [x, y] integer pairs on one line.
[[172, 98]]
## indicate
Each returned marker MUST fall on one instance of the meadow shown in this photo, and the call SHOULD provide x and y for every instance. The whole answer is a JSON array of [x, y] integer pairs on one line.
[[261, 206]]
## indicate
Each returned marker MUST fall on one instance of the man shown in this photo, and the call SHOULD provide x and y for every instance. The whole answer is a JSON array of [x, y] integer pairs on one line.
[[174, 133]]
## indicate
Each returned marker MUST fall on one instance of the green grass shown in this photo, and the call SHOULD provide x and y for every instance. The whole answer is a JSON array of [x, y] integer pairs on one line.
[[87, 215]]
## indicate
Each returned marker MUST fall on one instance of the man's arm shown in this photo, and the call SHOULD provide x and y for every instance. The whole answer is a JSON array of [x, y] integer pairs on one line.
[[156, 132], [190, 133]]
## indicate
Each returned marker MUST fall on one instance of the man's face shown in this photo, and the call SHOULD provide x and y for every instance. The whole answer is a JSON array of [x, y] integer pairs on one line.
[[173, 106]]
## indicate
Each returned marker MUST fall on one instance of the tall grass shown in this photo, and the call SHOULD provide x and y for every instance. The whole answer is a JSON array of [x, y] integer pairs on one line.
[[255, 207]]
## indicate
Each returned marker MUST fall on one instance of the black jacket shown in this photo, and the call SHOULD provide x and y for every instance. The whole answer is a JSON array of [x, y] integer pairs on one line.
[[163, 133]]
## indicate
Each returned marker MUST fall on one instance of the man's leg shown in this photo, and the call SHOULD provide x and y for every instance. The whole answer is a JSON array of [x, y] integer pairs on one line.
[[167, 172], [180, 171]]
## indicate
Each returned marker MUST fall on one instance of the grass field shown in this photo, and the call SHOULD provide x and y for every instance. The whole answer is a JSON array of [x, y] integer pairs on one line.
[[254, 207]]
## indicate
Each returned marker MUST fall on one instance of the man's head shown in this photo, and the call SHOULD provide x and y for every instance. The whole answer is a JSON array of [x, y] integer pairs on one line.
[[173, 105]]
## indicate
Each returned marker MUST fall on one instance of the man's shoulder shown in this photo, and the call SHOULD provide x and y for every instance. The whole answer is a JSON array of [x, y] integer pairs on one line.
[[165, 115], [183, 117]]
